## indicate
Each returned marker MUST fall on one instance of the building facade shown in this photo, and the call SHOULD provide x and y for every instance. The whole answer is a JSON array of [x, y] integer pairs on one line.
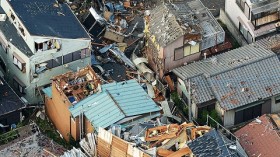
[[39, 44], [240, 85], [255, 19], [177, 32]]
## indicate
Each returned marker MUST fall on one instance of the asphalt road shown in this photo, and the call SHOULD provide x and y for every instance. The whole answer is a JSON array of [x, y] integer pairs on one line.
[[214, 6]]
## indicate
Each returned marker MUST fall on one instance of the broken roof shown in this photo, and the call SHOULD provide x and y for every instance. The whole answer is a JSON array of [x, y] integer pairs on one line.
[[44, 18], [9, 100], [234, 78], [169, 21], [115, 102], [260, 139]]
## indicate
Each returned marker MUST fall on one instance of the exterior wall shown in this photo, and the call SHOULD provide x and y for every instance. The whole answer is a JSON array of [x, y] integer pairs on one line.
[[233, 11], [232, 28], [68, 46], [169, 62], [275, 108], [266, 107], [57, 109]]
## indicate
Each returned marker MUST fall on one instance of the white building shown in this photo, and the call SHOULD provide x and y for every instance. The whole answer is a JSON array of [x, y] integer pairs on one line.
[[255, 19], [40, 39]]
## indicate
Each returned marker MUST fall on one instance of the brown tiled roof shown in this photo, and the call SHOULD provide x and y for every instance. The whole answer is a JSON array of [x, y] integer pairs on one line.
[[260, 139]]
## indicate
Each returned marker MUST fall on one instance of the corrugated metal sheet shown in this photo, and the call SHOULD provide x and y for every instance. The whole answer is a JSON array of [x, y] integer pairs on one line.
[[48, 91], [116, 101]]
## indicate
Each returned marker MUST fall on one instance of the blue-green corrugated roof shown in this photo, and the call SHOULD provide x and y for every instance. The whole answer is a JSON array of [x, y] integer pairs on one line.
[[116, 101], [48, 91]]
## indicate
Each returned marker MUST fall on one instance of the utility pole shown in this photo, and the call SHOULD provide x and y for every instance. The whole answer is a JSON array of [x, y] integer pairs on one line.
[[189, 100]]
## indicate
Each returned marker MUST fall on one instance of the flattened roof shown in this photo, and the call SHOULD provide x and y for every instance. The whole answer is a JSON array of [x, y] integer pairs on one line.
[[115, 102], [234, 78], [42, 18], [9, 101], [260, 139]]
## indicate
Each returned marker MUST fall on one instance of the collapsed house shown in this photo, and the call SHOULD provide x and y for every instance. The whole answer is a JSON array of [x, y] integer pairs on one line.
[[240, 84], [123, 103], [77, 103], [177, 32], [40, 39]]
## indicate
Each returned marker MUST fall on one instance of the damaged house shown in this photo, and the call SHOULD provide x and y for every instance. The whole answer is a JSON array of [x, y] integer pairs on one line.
[[240, 84], [10, 106], [80, 95], [67, 90], [40, 39], [177, 32], [254, 19]]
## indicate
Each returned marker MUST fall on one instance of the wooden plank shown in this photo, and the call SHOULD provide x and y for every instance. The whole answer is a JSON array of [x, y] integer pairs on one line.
[[119, 147], [103, 148], [181, 152]]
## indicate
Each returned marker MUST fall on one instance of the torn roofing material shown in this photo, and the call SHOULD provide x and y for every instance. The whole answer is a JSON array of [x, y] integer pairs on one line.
[[115, 102], [48, 18], [234, 78], [9, 100], [260, 138]]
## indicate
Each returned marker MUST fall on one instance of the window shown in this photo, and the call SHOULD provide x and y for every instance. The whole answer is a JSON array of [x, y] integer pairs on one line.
[[39, 46], [191, 49], [54, 63], [241, 4], [18, 85], [21, 30], [13, 17], [178, 53], [277, 100], [19, 63]]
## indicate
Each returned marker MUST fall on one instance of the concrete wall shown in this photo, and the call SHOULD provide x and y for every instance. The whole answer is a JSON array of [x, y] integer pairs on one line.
[[233, 12], [232, 28]]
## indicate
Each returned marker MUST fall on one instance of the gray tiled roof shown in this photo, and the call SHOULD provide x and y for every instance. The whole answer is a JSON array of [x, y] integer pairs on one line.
[[237, 78], [202, 91]]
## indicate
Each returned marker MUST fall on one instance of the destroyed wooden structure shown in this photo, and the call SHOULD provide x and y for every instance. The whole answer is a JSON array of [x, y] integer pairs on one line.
[[67, 90]]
